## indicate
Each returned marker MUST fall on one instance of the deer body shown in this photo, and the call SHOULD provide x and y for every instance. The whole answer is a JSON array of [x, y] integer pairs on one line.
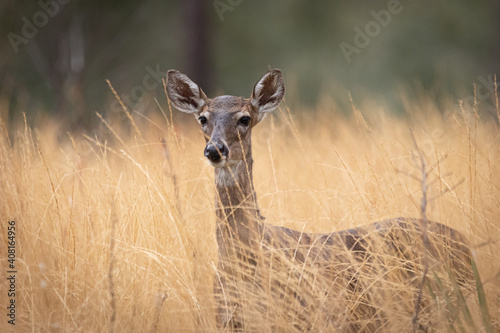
[[309, 281]]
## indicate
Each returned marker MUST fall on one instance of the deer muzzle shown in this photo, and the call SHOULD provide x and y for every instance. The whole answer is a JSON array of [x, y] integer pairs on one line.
[[216, 152]]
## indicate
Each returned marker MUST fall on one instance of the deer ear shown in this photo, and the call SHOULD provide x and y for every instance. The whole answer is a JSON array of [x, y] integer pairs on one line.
[[185, 95], [268, 92]]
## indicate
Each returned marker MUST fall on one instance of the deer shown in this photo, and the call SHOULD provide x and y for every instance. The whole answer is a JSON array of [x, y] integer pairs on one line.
[[305, 281]]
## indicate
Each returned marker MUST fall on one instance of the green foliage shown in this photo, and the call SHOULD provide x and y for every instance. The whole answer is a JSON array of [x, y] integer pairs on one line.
[[442, 47], [456, 312], [485, 314]]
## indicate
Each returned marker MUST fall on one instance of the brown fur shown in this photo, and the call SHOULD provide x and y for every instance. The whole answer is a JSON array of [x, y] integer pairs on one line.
[[337, 281]]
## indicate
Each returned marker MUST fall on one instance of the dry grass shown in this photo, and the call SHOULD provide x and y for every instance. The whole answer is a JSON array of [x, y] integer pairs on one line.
[[123, 225]]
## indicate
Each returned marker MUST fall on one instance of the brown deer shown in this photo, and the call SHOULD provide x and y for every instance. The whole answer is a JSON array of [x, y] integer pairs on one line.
[[273, 278]]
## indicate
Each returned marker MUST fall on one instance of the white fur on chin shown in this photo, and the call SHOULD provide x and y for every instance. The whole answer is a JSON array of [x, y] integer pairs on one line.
[[227, 174]]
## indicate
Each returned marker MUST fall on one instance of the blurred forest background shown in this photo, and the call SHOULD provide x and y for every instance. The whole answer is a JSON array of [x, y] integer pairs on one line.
[[57, 54]]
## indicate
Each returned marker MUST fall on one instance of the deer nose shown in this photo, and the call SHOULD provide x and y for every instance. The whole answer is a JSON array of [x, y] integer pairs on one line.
[[214, 152]]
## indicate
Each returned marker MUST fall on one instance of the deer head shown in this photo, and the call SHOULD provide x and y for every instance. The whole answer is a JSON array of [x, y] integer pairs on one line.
[[226, 121]]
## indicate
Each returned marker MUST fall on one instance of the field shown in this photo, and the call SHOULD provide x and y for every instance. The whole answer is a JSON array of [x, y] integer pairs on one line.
[[115, 231]]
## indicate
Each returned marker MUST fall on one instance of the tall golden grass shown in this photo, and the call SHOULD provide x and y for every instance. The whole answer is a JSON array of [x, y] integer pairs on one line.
[[116, 231]]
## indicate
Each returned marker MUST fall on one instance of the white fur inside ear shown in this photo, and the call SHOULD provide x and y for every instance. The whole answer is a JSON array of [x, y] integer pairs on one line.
[[184, 94], [200, 102], [276, 100], [196, 91], [268, 92], [182, 103], [258, 90]]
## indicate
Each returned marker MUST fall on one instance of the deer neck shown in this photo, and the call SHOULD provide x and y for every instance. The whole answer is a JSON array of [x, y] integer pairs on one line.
[[237, 212]]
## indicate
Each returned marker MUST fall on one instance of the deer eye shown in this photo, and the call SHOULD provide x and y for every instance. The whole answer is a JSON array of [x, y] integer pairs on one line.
[[203, 120], [245, 121]]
